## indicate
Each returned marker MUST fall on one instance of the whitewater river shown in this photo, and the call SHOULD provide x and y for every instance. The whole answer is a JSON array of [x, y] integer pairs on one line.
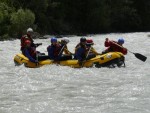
[[57, 89]]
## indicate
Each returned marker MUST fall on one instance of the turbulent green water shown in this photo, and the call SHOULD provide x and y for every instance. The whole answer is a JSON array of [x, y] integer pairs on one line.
[[57, 89]]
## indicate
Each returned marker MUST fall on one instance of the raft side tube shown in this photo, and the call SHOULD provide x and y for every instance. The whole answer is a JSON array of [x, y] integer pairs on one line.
[[99, 59]]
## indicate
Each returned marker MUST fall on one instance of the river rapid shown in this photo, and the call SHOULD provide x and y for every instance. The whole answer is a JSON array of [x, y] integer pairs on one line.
[[62, 89]]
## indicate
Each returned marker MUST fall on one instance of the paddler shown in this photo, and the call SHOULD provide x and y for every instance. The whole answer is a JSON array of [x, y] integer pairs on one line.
[[115, 46], [55, 51], [89, 44], [28, 36]]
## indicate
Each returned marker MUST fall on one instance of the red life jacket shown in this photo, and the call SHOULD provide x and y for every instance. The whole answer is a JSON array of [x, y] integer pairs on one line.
[[24, 38], [113, 47]]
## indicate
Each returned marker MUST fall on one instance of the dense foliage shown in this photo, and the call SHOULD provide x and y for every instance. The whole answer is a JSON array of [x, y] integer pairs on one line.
[[73, 16]]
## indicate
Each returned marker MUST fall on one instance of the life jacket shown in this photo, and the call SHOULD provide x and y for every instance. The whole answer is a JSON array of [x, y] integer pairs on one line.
[[56, 48], [24, 38], [114, 48], [80, 45], [32, 51], [82, 49]]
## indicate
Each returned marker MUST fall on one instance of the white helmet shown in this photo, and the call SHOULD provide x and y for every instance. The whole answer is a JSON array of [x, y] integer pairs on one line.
[[29, 30], [66, 40]]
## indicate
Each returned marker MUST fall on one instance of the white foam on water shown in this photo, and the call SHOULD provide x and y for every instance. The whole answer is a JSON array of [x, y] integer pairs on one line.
[[61, 89]]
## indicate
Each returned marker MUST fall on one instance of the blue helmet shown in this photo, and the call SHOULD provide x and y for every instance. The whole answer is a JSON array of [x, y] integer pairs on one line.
[[121, 40], [53, 39]]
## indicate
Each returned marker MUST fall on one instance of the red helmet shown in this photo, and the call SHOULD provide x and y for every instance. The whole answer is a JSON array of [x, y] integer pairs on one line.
[[27, 42], [89, 41]]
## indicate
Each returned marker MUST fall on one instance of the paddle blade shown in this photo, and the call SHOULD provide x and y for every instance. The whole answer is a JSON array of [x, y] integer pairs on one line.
[[140, 56]]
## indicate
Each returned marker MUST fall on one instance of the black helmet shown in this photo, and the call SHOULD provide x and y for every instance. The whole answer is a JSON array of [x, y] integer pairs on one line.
[[82, 39]]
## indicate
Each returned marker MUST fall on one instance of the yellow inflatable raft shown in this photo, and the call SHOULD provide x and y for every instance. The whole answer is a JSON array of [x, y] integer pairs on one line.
[[107, 59]]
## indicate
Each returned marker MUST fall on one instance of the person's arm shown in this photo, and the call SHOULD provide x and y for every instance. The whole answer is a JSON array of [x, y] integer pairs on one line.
[[29, 56], [107, 42], [77, 46], [33, 45], [94, 51], [51, 52], [124, 51], [66, 51]]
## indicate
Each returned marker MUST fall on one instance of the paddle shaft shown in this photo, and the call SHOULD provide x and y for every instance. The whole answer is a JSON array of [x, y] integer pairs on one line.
[[137, 55], [86, 57], [88, 53], [61, 50], [37, 57], [122, 47]]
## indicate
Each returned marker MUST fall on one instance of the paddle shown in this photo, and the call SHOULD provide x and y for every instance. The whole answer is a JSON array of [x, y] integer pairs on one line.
[[61, 50], [38, 44], [137, 55], [88, 53], [86, 57], [37, 58]]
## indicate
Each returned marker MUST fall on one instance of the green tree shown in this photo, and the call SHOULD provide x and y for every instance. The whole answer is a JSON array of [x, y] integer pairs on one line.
[[98, 18], [5, 12], [143, 10], [21, 20], [55, 15], [39, 8], [124, 16]]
